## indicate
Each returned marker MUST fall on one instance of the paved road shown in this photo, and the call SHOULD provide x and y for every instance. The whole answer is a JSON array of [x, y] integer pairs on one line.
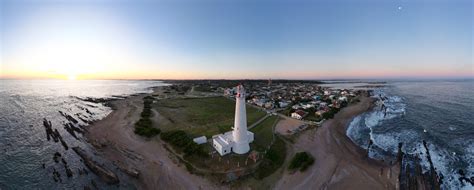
[[259, 121]]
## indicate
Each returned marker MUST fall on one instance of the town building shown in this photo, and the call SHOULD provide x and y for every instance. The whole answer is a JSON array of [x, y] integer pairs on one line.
[[229, 92], [320, 113], [283, 104], [269, 105], [298, 114], [200, 140]]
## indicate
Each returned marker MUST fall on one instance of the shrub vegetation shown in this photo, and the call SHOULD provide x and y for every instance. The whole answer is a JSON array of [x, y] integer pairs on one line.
[[301, 161], [330, 114], [180, 140], [144, 126]]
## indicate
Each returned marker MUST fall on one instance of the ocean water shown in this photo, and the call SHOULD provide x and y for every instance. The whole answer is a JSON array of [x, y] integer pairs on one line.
[[23, 144], [440, 112]]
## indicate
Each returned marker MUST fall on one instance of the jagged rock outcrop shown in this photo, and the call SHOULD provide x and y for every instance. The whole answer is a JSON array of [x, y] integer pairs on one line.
[[104, 173]]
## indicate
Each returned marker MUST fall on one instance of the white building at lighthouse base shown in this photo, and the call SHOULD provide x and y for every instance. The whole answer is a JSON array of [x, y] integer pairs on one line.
[[224, 143]]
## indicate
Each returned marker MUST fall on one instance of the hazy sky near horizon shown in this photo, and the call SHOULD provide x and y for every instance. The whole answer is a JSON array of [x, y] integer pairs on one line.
[[112, 39]]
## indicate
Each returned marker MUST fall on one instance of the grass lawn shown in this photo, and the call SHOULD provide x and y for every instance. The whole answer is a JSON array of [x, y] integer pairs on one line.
[[273, 159], [214, 115], [202, 116], [203, 88], [275, 154], [263, 133]]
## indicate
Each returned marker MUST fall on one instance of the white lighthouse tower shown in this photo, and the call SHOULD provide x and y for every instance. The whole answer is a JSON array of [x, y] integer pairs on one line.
[[240, 133], [239, 138]]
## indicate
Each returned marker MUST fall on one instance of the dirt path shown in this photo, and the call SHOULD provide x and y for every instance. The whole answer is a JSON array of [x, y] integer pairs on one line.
[[339, 163], [116, 140], [286, 125]]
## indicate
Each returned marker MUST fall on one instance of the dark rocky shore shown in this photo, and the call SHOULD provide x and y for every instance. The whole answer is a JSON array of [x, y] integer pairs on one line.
[[75, 127], [104, 173]]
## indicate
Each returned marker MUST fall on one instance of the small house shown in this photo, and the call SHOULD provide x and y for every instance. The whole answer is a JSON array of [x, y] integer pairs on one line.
[[200, 140], [298, 114]]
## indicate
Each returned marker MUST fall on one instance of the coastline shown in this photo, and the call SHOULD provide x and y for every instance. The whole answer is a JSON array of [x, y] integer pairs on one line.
[[339, 162], [114, 139]]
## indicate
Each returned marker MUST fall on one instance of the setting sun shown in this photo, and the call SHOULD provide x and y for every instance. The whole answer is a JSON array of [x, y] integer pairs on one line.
[[71, 77]]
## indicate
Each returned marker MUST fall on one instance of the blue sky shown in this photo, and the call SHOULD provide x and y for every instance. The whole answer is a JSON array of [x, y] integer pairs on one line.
[[238, 39]]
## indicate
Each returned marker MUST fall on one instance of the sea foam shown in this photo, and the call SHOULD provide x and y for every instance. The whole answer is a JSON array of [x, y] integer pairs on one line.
[[390, 123]]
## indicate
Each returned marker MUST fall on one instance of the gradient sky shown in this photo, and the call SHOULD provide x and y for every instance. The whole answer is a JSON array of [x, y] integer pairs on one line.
[[294, 39]]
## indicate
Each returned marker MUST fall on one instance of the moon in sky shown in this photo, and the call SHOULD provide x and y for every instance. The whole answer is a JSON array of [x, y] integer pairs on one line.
[[400, 7]]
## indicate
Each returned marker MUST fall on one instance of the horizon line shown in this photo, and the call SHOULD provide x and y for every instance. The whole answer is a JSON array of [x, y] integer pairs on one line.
[[289, 79]]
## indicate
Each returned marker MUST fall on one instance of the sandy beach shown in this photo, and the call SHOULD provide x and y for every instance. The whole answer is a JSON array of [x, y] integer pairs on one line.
[[339, 163], [115, 140]]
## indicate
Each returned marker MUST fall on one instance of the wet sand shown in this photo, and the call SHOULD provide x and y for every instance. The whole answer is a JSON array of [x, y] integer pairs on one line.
[[339, 163], [115, 140]]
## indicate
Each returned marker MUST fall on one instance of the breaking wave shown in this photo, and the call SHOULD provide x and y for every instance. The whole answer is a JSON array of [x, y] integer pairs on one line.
[[386, 108], [386, 126]]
